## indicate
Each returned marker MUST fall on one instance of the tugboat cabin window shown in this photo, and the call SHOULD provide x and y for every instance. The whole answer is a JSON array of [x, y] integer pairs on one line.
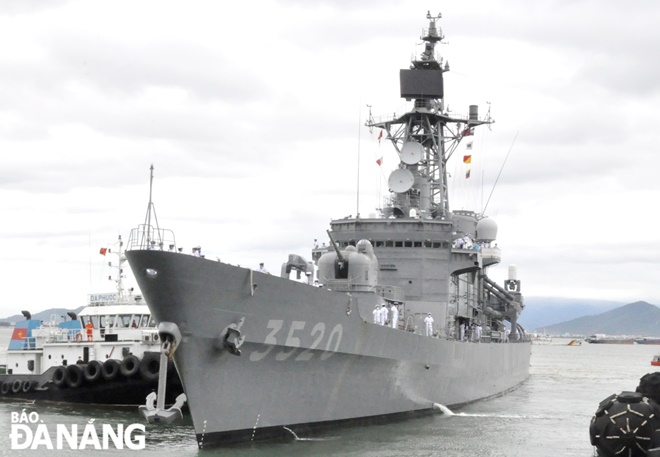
[[124, 320], [144, 321]]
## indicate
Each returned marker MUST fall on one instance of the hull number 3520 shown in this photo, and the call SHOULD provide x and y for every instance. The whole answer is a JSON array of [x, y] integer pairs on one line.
[[279, 336]]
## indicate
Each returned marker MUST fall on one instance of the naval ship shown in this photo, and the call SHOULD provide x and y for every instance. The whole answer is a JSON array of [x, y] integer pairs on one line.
[[406, 317]]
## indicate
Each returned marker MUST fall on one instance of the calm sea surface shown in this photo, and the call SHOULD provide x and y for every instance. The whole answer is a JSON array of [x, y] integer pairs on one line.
[[547, 416]]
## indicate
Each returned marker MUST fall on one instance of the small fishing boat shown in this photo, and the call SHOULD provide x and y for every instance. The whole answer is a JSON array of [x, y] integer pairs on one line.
[[656, 360]]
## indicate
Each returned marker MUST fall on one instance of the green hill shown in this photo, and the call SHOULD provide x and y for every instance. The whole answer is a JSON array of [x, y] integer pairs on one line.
[[639, 318]]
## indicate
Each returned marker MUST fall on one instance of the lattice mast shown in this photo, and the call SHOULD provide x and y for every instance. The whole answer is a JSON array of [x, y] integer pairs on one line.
[[426, 136]]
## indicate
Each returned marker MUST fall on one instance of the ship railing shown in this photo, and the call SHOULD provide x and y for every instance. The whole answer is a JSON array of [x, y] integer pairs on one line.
[[342, 285], [149, 237], [63, 335]]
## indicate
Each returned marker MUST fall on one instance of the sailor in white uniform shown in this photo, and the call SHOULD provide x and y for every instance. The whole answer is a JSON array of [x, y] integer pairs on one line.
[[428, 320], [384, 313], [395, 317], [261, 269], [377, 314]]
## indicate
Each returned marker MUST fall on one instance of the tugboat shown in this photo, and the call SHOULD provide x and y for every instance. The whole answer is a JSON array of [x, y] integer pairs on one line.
[[107, 354], [407, 317]]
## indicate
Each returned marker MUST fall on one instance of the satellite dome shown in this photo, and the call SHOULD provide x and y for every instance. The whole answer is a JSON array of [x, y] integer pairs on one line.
[[486, 230]]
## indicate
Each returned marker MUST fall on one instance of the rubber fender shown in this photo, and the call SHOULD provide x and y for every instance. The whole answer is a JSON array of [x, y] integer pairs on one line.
[[5, 388], [92, 371], [27, 386], [649, 385], [625, 425], [110, 369], [16, 386], [59, 376], [130, 366], [150, 366], [74, 376]]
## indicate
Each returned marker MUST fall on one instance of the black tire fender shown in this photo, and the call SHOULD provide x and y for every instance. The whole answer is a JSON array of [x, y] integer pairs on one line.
[[16, 386], [130, 366], [59, 376], [110, 369], [92, 371], [150, 366], [74, 376], [27, 386]]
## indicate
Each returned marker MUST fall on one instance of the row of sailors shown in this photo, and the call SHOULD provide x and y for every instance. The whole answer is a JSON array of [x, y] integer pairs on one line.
[[382, 313], [196, 251], [467, 243]]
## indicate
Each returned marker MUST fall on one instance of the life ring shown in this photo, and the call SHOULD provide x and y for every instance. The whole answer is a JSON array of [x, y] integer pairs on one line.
[[27, 386], [110, 369], [150, 366], [59, 376], [5, 388], [74, 376], [92, 371], [16, 386], [129, 366], [79, 337]]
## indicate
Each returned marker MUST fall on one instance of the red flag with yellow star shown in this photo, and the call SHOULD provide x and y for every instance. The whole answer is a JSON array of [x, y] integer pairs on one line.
[[19, 334]]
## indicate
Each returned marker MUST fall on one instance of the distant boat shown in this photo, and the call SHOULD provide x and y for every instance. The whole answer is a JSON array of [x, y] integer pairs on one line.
[[603, 339], [575, 343], [656, 361], [647, 341]]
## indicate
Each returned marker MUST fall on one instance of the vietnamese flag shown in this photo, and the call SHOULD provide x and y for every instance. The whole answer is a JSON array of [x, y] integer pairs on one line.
[[19, 334], [102, 251]]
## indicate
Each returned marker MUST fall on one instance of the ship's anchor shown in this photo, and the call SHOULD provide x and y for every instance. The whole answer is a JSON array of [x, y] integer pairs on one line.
[[170, 338], [231, 338]]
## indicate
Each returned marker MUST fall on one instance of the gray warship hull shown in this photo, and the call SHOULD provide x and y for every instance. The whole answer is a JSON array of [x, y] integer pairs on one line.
[[407, 316], [310, 355]]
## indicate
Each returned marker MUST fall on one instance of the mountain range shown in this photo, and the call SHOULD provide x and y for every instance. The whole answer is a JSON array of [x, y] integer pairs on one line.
[[634, 319]]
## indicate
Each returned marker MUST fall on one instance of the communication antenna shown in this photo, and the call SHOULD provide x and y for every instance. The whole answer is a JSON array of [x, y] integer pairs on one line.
[[401, 180], [500, 173]]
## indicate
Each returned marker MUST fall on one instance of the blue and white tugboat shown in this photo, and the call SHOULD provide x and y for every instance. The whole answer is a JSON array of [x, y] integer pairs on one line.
[[407, 317], [107, 354]]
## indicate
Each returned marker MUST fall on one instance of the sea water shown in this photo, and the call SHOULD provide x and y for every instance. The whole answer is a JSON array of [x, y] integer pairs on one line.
[[548, 415]]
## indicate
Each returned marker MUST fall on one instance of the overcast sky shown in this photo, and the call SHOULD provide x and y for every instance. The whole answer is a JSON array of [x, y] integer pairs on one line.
[[252, 115]]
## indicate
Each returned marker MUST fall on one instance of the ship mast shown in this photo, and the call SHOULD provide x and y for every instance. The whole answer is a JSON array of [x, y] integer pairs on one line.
[[424, 137]]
